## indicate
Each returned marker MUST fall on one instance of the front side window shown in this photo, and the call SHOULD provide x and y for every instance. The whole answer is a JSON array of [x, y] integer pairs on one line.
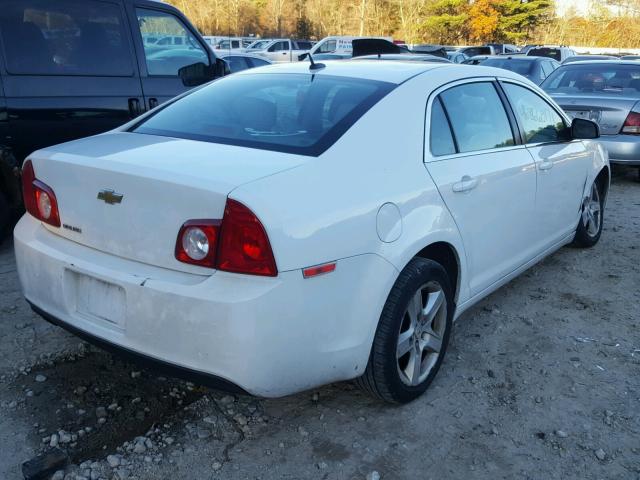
[[540, 122], [65, 37], [236, 63], [292, 113], [279, 46], [177, 48], [477, 117], [327, 47]]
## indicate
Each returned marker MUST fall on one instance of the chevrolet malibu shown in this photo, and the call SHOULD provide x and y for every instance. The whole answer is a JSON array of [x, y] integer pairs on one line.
[[278, 230]]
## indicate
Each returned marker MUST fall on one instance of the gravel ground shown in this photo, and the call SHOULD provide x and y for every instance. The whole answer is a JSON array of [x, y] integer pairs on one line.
[[540, 382]]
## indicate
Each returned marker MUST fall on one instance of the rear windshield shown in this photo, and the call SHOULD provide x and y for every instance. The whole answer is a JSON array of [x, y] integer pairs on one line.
[[554, 53], [523, 67], [609, 78], [291, 113]]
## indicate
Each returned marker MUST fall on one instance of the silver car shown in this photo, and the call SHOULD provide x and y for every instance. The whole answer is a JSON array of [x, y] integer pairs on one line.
[[607, 92]]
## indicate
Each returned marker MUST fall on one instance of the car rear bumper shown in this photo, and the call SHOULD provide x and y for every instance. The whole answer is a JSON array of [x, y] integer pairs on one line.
[[266, 336], [623, 149]]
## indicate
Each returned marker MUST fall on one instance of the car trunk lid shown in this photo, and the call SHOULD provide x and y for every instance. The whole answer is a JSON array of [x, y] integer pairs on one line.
[[128, 194], [608, 111]]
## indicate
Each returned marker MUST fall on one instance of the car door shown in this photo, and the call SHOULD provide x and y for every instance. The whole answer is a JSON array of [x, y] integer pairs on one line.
[[561, 162], [159, 63], [70, 70], [485, 176], [279, 52]]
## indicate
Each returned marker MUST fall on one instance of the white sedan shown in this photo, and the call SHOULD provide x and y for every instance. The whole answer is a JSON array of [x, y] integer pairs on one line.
[[278, 230]]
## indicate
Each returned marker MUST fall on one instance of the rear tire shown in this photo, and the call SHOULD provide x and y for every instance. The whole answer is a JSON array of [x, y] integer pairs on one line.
[[412, 335], [591, 219]]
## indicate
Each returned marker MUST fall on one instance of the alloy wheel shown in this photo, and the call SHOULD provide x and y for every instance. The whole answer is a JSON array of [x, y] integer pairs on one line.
[[591, 215], [421, 334]]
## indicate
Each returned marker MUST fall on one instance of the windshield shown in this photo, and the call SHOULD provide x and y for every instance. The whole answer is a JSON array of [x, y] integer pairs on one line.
[[292, 113], [523, 67], [584, 78]]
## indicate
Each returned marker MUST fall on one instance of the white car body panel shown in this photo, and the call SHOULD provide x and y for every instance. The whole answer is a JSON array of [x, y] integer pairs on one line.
[[370, 203]]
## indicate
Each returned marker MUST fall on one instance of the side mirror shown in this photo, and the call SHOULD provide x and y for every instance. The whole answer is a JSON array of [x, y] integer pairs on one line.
[[584, 129], [199, 73], [302, 56]]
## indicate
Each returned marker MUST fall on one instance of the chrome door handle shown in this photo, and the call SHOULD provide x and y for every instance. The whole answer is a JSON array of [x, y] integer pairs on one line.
[[465, 184], [545, 165]]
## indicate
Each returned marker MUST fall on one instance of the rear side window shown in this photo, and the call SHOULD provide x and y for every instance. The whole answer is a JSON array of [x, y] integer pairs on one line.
[[477, 117], [257, 62], [65, 37], [440, 137], [523, 67], [292, 113], [540, 122]]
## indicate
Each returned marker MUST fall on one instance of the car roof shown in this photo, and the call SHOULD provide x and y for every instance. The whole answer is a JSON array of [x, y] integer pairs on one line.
[[409, 57], [518, 58], [603, 62], [395, 72]]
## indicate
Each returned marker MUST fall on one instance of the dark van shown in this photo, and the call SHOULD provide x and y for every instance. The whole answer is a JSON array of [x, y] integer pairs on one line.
[[73, 68]]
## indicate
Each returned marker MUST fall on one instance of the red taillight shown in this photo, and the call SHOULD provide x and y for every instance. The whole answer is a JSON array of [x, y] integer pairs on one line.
[[39, 199], [197, 242], [632, 124], [244, 245], [238, 244]]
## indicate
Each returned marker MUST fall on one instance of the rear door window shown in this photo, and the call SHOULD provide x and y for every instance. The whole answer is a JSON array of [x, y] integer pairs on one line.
[[236, 63], [279, 46], [65, 37], [477, 116], [183, 48]]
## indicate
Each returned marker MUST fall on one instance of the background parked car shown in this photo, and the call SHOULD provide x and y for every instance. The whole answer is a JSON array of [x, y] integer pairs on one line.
[[535, 69], [238, 61], [478, 50], [608, 93], [503, 48], [580, 58], [283, 50], [89, 74], [559, 54], [232, 43]]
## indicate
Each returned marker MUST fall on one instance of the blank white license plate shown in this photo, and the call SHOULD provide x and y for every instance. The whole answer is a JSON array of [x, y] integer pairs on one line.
[[585, 114], [99, 299]]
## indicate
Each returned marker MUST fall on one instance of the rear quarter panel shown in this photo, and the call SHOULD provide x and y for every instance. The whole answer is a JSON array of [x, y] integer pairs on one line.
[[327, 209]]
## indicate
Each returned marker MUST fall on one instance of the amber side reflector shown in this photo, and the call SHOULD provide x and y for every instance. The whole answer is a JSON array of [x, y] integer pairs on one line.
[[318, 270]]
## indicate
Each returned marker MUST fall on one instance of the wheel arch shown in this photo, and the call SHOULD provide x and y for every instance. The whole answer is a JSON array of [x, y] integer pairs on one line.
[[603, 178], [446, 255]]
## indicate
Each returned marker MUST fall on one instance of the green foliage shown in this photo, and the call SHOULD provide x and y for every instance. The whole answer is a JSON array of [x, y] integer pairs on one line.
[[518, 20]]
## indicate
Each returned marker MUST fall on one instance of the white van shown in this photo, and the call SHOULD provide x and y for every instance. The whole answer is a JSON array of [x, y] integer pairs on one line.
[[338, 45]]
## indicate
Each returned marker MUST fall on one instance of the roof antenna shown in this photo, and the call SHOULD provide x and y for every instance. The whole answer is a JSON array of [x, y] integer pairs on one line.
[[314, 65]]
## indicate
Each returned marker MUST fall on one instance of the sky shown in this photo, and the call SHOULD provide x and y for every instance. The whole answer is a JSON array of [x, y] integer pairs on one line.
[[582, 6]]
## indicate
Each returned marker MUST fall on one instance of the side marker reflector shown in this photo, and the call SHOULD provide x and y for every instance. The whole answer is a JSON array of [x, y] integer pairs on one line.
[[318, 270]]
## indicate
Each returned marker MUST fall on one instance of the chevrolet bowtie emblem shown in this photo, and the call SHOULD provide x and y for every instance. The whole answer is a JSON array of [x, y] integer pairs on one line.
[[110, 197]]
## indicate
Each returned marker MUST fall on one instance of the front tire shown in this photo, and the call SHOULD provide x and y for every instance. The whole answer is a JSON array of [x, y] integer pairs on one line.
[[412, 335], [591, 219]]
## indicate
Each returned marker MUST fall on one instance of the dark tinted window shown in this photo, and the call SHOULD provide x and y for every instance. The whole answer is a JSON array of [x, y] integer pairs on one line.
[[540, 122], [440, 137], [236, 63], [477, 116], [291, 113], [523, 67], [606, 78], [257, 62], [279, 46], [304, 45], [65, 37], [181, 49], [554, 53]]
